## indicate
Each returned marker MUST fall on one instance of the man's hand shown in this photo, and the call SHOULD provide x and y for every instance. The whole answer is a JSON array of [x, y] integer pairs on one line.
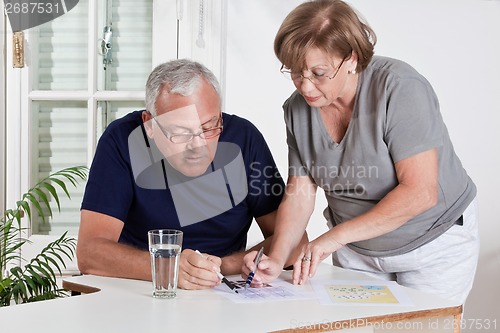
[[197, 271]]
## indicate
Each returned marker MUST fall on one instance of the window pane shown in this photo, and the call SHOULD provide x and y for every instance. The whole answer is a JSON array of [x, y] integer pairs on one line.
[[131, 23], [59, 141], [60, 51], [113, 110]]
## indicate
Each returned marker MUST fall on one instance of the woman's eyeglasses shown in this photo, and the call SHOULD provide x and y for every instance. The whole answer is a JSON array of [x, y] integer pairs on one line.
[[316, 79]]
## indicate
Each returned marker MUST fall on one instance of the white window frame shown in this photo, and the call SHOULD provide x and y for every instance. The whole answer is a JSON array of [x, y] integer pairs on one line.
[[17, 124], [3, 121]]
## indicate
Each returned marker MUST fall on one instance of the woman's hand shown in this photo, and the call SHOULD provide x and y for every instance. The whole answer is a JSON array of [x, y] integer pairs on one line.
[[312, 255], [197, 270], [268, 269]]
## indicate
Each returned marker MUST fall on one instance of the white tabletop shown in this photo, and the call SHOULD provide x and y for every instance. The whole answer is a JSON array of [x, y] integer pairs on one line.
[[125, 305]]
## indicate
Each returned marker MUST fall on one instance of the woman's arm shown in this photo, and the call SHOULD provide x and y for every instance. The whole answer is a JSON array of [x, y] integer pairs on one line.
[[291, 222], [416, 192]]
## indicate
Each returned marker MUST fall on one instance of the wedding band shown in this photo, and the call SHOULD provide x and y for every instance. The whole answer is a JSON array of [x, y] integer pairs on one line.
[[306, 259]]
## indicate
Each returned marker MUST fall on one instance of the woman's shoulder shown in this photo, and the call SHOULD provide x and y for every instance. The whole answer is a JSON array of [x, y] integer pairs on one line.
[[393, 67], [294, 102]]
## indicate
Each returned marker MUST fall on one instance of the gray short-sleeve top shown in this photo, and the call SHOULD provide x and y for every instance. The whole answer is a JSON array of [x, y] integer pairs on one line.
[[396, 115]]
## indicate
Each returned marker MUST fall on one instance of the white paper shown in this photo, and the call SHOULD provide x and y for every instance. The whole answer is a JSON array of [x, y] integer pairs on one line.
[[278, 290]]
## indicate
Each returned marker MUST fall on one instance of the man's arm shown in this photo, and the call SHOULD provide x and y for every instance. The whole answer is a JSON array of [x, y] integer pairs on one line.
[[99, 253]]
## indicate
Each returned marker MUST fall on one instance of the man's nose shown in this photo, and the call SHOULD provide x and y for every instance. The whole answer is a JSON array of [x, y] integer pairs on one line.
[[196, 142]]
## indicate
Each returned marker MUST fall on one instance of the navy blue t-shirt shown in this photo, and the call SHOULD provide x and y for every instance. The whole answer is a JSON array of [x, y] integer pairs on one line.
[[114, 187]]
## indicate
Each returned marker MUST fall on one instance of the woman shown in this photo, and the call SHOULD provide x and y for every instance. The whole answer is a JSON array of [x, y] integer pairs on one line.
[[368, 131]]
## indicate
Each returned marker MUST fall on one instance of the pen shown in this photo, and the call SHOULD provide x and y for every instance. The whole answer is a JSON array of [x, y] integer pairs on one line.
[[256, 262], [222, 277]]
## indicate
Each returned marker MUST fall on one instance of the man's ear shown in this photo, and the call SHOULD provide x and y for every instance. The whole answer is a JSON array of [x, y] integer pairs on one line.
[[147, 119]]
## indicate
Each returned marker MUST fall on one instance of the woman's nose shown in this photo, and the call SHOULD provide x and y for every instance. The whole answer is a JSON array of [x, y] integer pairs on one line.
[[306, 85]]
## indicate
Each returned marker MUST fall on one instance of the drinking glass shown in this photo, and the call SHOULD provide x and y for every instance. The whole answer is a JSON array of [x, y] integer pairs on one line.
[[165, 247]]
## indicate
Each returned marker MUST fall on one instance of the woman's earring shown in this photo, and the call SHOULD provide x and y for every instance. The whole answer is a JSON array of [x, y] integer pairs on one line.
[[351, 72]]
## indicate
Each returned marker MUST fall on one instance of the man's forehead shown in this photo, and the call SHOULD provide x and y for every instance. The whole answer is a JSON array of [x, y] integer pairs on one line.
[[184, 116], [188, 111]]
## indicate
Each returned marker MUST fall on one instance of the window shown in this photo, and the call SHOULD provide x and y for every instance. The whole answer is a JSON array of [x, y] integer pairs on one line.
[[74, 94], [66, 95]]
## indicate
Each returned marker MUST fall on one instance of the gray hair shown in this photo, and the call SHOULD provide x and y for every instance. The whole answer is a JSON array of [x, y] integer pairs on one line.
[[182, 76]]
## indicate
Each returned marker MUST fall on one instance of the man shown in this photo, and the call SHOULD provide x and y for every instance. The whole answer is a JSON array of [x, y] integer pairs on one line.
[[179, 164]]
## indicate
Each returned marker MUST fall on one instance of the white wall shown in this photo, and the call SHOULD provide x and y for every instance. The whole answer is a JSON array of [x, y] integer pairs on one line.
[[455, 44]]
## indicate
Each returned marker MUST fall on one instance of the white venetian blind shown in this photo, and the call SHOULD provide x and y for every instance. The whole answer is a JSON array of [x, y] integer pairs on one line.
[[60, 51], [67, 100], [60, 142], [132, 49]]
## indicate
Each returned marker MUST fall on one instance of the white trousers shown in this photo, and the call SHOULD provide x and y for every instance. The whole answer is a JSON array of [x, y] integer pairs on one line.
[[446, 266]]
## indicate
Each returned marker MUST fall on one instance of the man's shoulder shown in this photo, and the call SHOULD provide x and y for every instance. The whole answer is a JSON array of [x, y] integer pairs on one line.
[[129, 122], [238, 127], [243, 133], [118, 132], [232, 119], [121, 128]]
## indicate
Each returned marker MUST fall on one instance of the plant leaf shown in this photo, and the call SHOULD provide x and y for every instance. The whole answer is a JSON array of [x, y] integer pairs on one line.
[[36, 280], [26, 208], [36, 204], [42, 196], [52, 190], [40, 269], [54, 263], [61, 185]]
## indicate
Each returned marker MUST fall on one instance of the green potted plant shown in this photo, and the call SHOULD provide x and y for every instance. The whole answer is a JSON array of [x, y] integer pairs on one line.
[[36, 280]]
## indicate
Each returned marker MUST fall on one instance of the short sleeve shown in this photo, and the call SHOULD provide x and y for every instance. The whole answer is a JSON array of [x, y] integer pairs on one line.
[[295, 165], [109, 189], [265, 185], [414, 123]]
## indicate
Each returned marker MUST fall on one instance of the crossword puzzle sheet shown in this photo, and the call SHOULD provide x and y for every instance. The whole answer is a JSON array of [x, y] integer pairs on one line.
[[277, 291]]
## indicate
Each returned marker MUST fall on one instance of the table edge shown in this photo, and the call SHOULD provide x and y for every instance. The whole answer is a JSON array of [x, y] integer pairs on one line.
[[79, 288], [454, 311]]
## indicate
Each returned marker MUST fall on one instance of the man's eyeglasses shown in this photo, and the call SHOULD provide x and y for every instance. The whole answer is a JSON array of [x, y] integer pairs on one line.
[[206, 133], [316, 79]]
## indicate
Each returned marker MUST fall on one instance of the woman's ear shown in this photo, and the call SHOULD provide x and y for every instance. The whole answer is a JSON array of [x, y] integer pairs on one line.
[[147, 119], [352, 63]]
